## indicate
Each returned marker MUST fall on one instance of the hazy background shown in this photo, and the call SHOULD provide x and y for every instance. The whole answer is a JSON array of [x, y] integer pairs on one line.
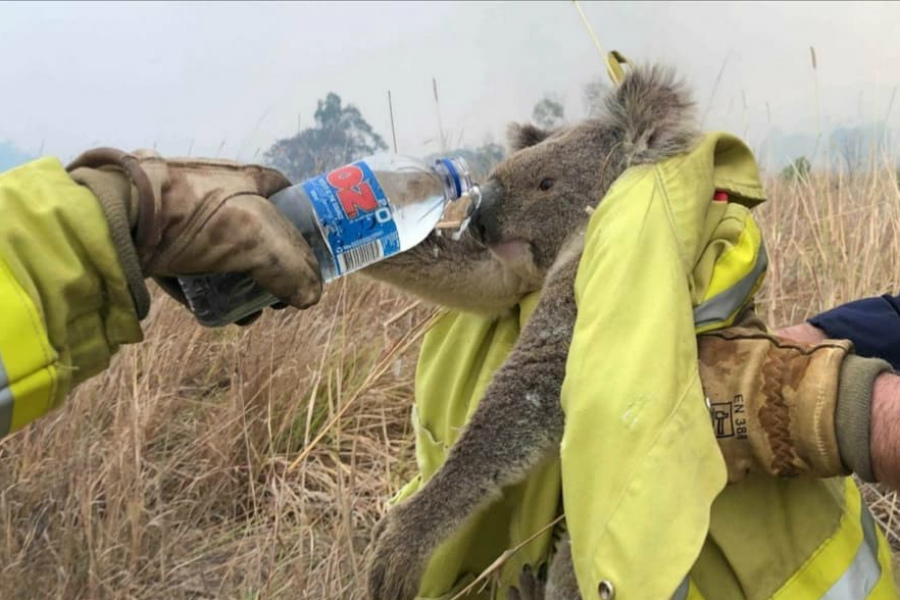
[[166, 477], [229, 79]]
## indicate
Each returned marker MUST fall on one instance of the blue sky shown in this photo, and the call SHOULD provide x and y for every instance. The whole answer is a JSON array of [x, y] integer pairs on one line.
[[230, 78]]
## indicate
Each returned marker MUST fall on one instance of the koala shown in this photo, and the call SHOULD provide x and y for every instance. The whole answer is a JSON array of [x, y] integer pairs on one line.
[[527, 236]]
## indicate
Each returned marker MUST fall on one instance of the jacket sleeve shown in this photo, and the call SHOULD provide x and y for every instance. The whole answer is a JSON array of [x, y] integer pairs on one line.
[[65, 304], [872, 324]]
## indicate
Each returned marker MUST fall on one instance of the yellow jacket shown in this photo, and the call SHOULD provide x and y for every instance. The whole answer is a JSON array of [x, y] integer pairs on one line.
[[643, 481], [64, 302]]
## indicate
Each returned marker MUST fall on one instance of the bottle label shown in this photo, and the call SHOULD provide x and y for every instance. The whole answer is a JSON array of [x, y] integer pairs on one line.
[[355, 216]]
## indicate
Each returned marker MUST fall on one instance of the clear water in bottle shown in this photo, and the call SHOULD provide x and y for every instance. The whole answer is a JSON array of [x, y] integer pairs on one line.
[[352, 217]]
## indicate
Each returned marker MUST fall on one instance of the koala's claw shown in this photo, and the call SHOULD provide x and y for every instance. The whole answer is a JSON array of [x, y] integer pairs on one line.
[[531, 585], [397, 561]]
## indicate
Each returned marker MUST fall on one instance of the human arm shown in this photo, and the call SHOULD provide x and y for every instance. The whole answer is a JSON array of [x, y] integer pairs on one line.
[[75, 248]]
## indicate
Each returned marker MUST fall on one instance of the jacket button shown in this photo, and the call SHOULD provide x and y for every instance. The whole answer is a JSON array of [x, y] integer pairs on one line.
[[606, 590]]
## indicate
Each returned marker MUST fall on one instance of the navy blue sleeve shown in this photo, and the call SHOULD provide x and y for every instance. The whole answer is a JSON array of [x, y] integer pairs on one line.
[[872, 324]]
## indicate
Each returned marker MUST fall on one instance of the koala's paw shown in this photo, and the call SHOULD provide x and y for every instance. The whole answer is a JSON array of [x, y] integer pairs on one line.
[[531, 585], [397, 559]]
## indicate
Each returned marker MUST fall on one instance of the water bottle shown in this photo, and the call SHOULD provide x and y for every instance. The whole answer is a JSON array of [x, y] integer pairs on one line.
[[351, 217]]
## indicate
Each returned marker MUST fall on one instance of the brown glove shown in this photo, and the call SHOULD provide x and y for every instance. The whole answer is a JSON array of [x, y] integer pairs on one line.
[[189, 216], [787, 408]]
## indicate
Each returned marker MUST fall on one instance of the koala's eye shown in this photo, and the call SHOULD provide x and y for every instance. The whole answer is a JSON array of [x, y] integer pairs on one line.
[[546, 184]]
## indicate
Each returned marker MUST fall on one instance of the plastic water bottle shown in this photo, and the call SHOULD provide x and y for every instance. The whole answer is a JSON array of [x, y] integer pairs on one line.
[[352, 217]]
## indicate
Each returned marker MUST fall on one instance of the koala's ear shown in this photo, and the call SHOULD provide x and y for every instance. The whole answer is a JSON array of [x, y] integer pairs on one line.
[[654, 113], [523, 135]]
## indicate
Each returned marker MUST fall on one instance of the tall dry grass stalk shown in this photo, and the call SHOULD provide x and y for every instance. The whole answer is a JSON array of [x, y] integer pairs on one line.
[[167, 476]]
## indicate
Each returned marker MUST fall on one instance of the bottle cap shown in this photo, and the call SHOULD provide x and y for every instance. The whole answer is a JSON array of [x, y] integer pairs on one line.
[[457, 178]]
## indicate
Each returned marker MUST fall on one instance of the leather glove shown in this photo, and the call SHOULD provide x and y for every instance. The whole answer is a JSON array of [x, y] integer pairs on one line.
[[787, 408], [188, 216]]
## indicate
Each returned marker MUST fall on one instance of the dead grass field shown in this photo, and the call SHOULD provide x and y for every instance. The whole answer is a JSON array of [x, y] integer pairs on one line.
[[166, 477]]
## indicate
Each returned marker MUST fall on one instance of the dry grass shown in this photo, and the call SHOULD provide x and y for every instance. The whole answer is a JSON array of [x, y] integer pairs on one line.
[[166, 477], [834, 238]]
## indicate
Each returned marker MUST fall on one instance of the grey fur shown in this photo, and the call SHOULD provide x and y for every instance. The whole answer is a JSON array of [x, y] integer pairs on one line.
[[648, 118], [462, 275], [561, 582]]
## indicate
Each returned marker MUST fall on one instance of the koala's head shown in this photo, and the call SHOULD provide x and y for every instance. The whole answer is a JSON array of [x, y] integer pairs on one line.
[[542, 194]]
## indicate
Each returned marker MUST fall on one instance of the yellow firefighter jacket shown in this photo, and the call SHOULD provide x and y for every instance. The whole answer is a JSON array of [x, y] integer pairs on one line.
[[65, 306], [640, 474]]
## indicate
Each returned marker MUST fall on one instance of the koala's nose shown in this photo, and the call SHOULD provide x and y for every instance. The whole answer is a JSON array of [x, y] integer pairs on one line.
[[485, 224]]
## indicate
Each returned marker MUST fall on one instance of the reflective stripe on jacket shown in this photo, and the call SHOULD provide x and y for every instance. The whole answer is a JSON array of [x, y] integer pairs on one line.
[[642, 477], [64, 303]]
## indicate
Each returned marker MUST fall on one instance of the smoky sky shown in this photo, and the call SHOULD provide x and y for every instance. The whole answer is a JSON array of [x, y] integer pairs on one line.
[[228, 79]]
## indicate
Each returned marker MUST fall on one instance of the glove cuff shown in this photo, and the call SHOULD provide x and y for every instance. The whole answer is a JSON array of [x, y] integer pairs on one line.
[[147, 231], [114, 193], [853, 412]]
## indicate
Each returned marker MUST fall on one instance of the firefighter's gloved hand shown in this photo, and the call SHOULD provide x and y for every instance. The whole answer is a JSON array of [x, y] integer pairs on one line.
[[787, 408], [189, 216]]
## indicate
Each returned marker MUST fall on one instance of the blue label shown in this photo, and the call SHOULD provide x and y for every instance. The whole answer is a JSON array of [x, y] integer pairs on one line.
[[355, 216]]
